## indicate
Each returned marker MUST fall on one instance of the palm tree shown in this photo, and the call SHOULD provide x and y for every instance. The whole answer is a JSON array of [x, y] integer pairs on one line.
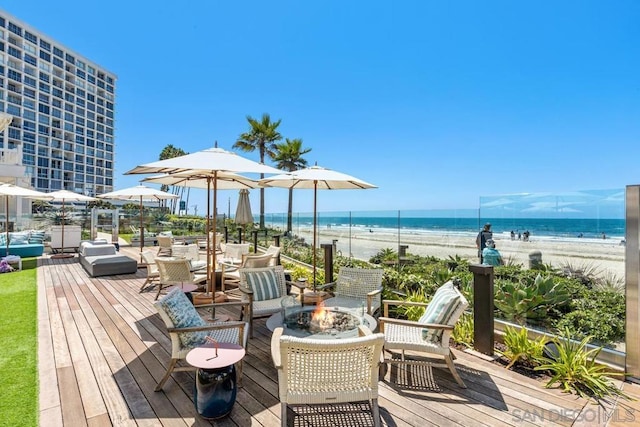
[[169, 152], [261, 136], [289, 157]]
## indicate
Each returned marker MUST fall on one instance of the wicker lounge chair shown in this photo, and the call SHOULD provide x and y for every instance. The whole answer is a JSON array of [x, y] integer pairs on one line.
[[317, 371], [356, 287], [188, 330], [153, 274], [264, 289], [176, 272], [428, 336]]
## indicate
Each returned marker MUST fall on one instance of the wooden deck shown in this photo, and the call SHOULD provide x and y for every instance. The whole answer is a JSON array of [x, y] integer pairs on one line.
[[102, 349]]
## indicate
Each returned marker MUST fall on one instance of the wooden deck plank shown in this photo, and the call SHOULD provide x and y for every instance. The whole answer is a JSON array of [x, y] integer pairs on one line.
[[49, 403], [105, 329], [70, 398]]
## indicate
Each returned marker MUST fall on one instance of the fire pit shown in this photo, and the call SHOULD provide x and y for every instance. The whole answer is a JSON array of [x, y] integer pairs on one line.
[[322, 322]]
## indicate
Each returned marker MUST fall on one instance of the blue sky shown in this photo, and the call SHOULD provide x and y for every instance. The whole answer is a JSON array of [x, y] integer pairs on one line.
[[436, 102]]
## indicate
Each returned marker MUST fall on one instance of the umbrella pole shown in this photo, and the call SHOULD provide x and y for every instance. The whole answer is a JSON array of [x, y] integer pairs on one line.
[[207, 228], [315, 218], [213, 267], [62, 254], [62, 226], [141, 227]]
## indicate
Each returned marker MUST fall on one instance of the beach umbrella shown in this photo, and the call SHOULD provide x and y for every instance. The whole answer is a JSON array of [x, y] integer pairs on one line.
[[243, 211], [66, 196], [202, 180], [141, 194], [211, 164], [316, 178], [10, 190]]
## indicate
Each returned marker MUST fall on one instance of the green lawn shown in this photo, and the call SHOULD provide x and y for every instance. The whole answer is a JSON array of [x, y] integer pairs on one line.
[[19, 347]]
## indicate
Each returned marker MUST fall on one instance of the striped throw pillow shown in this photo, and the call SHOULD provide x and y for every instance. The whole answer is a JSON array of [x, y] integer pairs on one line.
[[264, 284], [446, 303]]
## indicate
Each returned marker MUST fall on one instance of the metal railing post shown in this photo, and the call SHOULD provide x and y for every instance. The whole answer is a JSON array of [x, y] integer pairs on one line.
[[328, 262], [255, 241]]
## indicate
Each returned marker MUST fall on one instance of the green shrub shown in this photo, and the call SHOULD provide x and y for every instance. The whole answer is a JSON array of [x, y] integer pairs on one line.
[[463, 331], [599, 314]]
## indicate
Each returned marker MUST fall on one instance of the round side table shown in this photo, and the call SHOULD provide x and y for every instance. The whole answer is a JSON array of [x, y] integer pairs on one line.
[[216, 387]]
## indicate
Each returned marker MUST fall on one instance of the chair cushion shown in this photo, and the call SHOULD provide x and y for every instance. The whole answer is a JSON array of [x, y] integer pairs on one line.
[[446, 303], [264, 284], [183, 315], [18, 239]]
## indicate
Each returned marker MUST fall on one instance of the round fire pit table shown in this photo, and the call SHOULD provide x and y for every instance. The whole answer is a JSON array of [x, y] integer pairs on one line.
[[329, 322]]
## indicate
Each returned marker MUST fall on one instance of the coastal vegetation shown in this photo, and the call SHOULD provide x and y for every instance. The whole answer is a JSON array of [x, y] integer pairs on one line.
[[547, 299]]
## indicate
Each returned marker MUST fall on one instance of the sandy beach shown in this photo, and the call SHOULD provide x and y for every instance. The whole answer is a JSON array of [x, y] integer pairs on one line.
[[607, 255]]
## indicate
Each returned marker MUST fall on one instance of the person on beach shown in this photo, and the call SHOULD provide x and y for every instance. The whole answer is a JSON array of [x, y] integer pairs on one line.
[[481, 239], [490, 255]]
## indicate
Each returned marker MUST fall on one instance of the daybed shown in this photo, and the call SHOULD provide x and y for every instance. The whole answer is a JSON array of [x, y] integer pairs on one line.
[[23, 243], [100, 258]]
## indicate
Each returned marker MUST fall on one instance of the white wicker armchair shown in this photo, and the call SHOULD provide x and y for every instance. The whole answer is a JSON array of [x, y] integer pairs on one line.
[[152, 268], [231, 273], [264, 289], [356, 287], [188, 330], [190, 252], [316, 371], [176, 272], [430, 334]]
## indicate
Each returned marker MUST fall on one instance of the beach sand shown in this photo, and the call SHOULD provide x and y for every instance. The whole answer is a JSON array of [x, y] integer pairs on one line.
[[606, 255]]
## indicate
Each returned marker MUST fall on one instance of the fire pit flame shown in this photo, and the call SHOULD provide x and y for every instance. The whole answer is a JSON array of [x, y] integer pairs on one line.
[[322, 320]]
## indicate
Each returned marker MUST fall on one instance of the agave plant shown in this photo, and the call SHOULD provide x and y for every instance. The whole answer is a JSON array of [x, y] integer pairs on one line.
[[575, 369], [522, 301], [519, 348]]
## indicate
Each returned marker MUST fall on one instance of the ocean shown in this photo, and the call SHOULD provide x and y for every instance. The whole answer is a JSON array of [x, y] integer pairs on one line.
[[588, 228]]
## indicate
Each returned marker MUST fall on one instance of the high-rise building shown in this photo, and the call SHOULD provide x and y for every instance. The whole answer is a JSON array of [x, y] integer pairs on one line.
[[62, 133]]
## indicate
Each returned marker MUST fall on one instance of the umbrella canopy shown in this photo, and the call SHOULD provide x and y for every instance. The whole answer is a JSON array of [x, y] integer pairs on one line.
[[243, 211], [226, 180], [208, 164], [66, 196], [140, 193], [10, 190], [316, 177]]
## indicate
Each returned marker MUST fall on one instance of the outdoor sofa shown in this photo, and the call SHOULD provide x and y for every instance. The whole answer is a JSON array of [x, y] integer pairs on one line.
[[100, 258], [24, 244]]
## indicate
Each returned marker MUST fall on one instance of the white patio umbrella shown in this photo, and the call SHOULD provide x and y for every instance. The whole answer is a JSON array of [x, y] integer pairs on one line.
[[243, 211], [210, 164], [66, 196], [10, 190], [226, 180], [139, 193], [315, 177]]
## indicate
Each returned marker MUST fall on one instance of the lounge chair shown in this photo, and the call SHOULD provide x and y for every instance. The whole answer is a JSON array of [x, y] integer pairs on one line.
[[430, 334]]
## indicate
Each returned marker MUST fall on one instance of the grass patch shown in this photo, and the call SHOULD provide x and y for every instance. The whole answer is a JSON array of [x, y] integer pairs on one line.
[[19, 343]]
